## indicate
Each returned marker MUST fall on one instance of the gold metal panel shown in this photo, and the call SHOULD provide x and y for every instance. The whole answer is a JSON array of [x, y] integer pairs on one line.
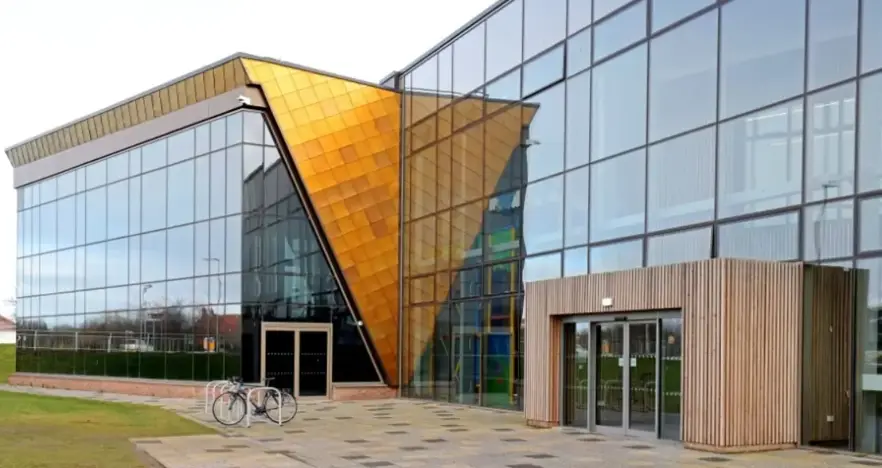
[[181, 91], [190, 90], [208, 79], [126, 117], [219, 81], [343, 138], [141, 109], [164, 103], [199, 86], [157, 106], [133, 113], [173, 99]]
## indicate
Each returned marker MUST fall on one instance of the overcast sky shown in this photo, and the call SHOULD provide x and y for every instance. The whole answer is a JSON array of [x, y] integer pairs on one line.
[[62, 60]]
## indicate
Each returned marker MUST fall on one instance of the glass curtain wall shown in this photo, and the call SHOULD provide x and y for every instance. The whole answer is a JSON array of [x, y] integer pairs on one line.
[[620, 134], [160, 262]]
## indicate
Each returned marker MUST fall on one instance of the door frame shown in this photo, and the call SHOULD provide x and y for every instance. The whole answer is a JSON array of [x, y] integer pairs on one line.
[[625, 319], [296, 328]]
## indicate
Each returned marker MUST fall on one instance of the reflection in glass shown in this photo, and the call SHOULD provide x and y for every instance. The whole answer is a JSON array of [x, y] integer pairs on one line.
[[609, 374], [180, 193], [181, 146], [217, 185], [575, 261], [576, 213], [503, 53], [871, 225], [96, 215], [576, 352], [96, 266], [544, 70], [468, 322], [117, 262], [579, 52], [502, 278], [117, 209], [180, 252], [870, 134], [578, 144], [762, 55], [153, 257], [578, 15], [135, 205], [683, 77], [153, 207], [760, 161], [253, 129], [506, 88], [96, 174], [117, 167], [618, 110], [770, 238], [667, 13], [543, 215], [614, 257], [502, 228], [542, 267], [468, 61], [828, 230], [618, 207], [544, 24], [681, 181], [153, 155], [643, 352], [619, 31], [545, 139], [832, 41], [671, 353], [679, 247], [829, 170]]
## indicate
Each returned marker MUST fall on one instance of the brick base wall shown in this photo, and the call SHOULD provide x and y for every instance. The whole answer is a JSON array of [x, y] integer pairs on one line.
[[146, 387], [341, 392]]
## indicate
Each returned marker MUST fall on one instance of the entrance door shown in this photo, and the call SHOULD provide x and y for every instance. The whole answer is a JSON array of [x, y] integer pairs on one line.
[[625, 378], [297, 357]]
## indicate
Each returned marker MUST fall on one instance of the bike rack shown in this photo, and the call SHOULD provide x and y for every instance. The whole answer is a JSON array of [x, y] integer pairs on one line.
[[212, 387], [249, 407]]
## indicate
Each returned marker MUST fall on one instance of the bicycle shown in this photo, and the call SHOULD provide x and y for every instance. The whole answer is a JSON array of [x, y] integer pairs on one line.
[[234, 402]]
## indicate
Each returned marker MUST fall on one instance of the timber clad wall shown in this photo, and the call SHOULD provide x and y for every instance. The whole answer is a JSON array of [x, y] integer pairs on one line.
[[742, 343]]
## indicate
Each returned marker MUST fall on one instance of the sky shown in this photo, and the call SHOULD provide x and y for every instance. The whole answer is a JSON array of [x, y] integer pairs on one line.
[[62, 60]]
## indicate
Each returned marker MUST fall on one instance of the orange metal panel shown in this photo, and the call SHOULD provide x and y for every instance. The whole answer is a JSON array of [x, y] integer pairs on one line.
[[346, 152]]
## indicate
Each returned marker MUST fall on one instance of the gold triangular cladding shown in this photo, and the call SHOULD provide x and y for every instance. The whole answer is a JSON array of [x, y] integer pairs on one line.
[[344, 139]]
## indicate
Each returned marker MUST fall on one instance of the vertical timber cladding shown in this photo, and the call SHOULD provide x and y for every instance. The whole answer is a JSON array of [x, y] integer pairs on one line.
[[343, 138], [742, 321]]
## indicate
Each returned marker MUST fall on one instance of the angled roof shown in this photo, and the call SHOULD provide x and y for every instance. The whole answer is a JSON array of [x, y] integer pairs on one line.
[[6, 324], [211, 80]]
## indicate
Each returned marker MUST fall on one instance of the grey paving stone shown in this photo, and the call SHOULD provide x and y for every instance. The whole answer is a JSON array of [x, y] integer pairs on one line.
[[377, 464], [396, 432], [714, 459], [412, 448], [356, 441], [539, 456]]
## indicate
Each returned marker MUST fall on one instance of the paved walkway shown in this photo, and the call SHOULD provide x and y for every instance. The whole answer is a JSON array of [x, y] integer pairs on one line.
[[406, 433]]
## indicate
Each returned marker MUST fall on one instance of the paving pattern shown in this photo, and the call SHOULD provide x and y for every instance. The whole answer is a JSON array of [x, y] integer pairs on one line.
[[406, 433]]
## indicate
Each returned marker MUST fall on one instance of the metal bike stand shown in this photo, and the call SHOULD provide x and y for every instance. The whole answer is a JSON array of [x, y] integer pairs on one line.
[[250, 406], [210, 388]]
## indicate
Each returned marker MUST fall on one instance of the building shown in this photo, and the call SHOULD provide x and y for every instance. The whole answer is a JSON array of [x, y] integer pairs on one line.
[[368, 238], [7, 330]]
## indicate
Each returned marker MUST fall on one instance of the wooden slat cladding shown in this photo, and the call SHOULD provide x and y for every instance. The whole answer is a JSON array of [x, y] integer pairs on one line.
[[829, 306], [742, 344]]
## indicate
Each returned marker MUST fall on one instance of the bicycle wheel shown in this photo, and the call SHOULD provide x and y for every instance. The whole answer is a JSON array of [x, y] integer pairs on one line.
[[229, 408], [271, 405]]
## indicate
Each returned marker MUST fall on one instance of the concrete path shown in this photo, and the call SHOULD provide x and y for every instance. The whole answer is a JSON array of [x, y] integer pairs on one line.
[[406, 433]]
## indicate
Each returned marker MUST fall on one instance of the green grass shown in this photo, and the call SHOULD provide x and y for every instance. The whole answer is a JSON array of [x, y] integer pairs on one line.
[[7, 361], [49, 432]]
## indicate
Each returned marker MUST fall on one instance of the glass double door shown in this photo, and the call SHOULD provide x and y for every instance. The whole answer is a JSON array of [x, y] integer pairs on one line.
[[297, 358], [623, 376]]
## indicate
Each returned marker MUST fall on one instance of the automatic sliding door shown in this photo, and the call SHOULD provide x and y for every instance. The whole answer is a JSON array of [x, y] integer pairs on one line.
[[576, 339], [609, 374], [642, 378]]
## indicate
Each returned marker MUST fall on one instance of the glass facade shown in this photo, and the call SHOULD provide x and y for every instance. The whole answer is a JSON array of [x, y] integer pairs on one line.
[[162, 261], [619, 134]]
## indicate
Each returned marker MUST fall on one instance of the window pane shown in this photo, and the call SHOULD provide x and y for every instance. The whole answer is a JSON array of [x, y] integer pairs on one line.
[[762, 53], [506, 88], [180, 262], [874, 286], [579, 15], [48, 227], [234, 129], [134, 205], [202, 187], [829, 230], [576, 216], [153, 206], [48, 274], [543, 71], [135, 162], [96, 265], [254, 129], [468, 61], [234, 244], [871, 225], [134, 260], [619, 31], [118, 209], [218, 184], [545, 138], [617, 196], [466, 245], [683, 79], [81, 180], [665, 13], [66, 270], [760, 161], [578, 117], [579, 52], [218, 134], [576, 261], [234, 174], [203, 138], [871, 35], [117, 167], [502, 228], [544, 24], [542, 267], [67, 185], [96, 174], [467, 170], [681, 180], [503, 53], [870, 134], [679, 247], [67, 219], [615, 257], [771, 238], [605, 7], [96, 214], [829, 160], [543, 216], [832, 41], [180, 193], [181, 146], [618, 111], [153, 257], [117, 262], [466, 283], [82, 221], [153, 156]]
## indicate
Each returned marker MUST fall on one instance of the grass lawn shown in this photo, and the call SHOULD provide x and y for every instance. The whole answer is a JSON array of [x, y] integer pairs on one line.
[[7, 361], [50, 432]]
